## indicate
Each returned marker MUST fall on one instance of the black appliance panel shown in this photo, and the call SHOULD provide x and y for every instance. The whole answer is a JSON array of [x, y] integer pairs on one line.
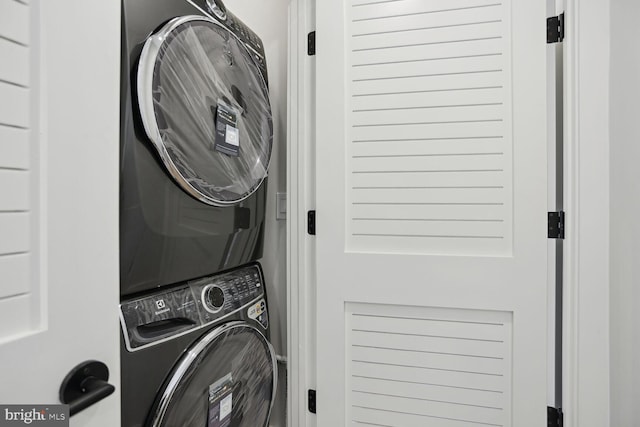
[[152, 319], [146, 369]]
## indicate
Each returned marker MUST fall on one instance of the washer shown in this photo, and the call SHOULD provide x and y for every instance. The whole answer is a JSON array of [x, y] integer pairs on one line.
[[198, 354], [196, 141]]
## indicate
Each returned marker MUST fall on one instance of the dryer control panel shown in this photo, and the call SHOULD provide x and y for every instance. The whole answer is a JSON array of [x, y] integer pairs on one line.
[[199, 303]]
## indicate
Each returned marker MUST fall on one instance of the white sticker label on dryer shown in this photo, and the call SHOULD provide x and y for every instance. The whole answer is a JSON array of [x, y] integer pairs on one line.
[[227, 137]]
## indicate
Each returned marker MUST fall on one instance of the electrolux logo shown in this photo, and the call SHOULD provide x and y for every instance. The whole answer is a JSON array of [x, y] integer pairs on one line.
[[37, 415], [162, 307]]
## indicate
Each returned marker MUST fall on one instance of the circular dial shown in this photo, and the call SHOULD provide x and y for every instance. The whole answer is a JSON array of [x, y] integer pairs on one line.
[[213, 298], [218, 8]]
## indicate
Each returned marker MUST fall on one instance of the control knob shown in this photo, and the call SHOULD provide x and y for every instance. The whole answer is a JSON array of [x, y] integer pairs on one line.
[[218, 9], [213, 298]]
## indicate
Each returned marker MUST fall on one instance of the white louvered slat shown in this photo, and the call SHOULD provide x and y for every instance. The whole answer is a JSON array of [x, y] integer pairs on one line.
[[14, 188], [14, 106], [14, 148], [16, 191], [428, 99], [434, 392], [428, 366], [15, 71], [15, 232], [16, 275], [430, 157], [407, 8], [19, 309], [14, 21]]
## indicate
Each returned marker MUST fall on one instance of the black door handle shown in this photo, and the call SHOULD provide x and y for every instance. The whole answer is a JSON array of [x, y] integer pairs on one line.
[[85, 385]]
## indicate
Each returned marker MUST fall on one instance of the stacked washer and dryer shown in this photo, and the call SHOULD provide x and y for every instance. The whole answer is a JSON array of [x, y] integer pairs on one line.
[[196, 140]]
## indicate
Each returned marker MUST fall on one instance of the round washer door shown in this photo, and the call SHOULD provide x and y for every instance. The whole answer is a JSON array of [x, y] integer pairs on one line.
[[226, 379], [205, 107]]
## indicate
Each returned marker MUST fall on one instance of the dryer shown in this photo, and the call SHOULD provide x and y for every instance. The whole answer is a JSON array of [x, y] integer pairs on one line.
[[196, 140], [198, 355]]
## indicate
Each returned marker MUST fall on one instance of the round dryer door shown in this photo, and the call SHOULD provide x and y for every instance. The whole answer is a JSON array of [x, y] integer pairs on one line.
[[205, 107], [227, 379]]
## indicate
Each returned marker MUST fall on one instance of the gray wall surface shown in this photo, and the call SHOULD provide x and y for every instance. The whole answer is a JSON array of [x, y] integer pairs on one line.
[[625, 213]]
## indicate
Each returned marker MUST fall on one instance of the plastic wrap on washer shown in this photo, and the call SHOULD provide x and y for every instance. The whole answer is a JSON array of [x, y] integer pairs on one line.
[[227, 379], [205, 106]]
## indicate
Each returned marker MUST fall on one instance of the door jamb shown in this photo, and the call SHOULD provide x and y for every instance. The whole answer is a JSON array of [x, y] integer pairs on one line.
[[301, 328], [586, 189]]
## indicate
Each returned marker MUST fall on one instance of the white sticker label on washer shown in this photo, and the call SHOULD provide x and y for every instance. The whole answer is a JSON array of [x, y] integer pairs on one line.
[[225, 406], [220, 402]]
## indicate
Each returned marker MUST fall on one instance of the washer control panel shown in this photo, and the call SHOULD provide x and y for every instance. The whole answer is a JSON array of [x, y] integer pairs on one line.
[[228, 292], [258, 312], [152, 319]]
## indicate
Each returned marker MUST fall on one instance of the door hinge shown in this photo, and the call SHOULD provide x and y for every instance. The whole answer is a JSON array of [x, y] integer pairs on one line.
[[311, 223], [311, 43], [311, 398], [555, 225], [554, 417], [555, 29]]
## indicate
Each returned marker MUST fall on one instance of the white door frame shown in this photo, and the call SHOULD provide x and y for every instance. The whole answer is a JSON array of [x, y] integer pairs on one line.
[[586, 190], [300, 199]]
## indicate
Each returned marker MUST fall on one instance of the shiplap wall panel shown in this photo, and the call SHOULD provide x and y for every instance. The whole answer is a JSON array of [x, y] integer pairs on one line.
[[15, 191], [16, 275], [14, 21], [16, 70], [14, 148], [430, 155], [421, 366]]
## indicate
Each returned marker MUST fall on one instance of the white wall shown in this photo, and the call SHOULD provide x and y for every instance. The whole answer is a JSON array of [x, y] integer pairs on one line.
[[268, 18], [625, 213]]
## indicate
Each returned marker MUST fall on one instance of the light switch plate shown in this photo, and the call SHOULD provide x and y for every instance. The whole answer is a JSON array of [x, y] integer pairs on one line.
[[281, 206]]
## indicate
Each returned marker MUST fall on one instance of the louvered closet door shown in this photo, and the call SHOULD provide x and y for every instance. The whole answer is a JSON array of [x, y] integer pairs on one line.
[[431, 213]]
